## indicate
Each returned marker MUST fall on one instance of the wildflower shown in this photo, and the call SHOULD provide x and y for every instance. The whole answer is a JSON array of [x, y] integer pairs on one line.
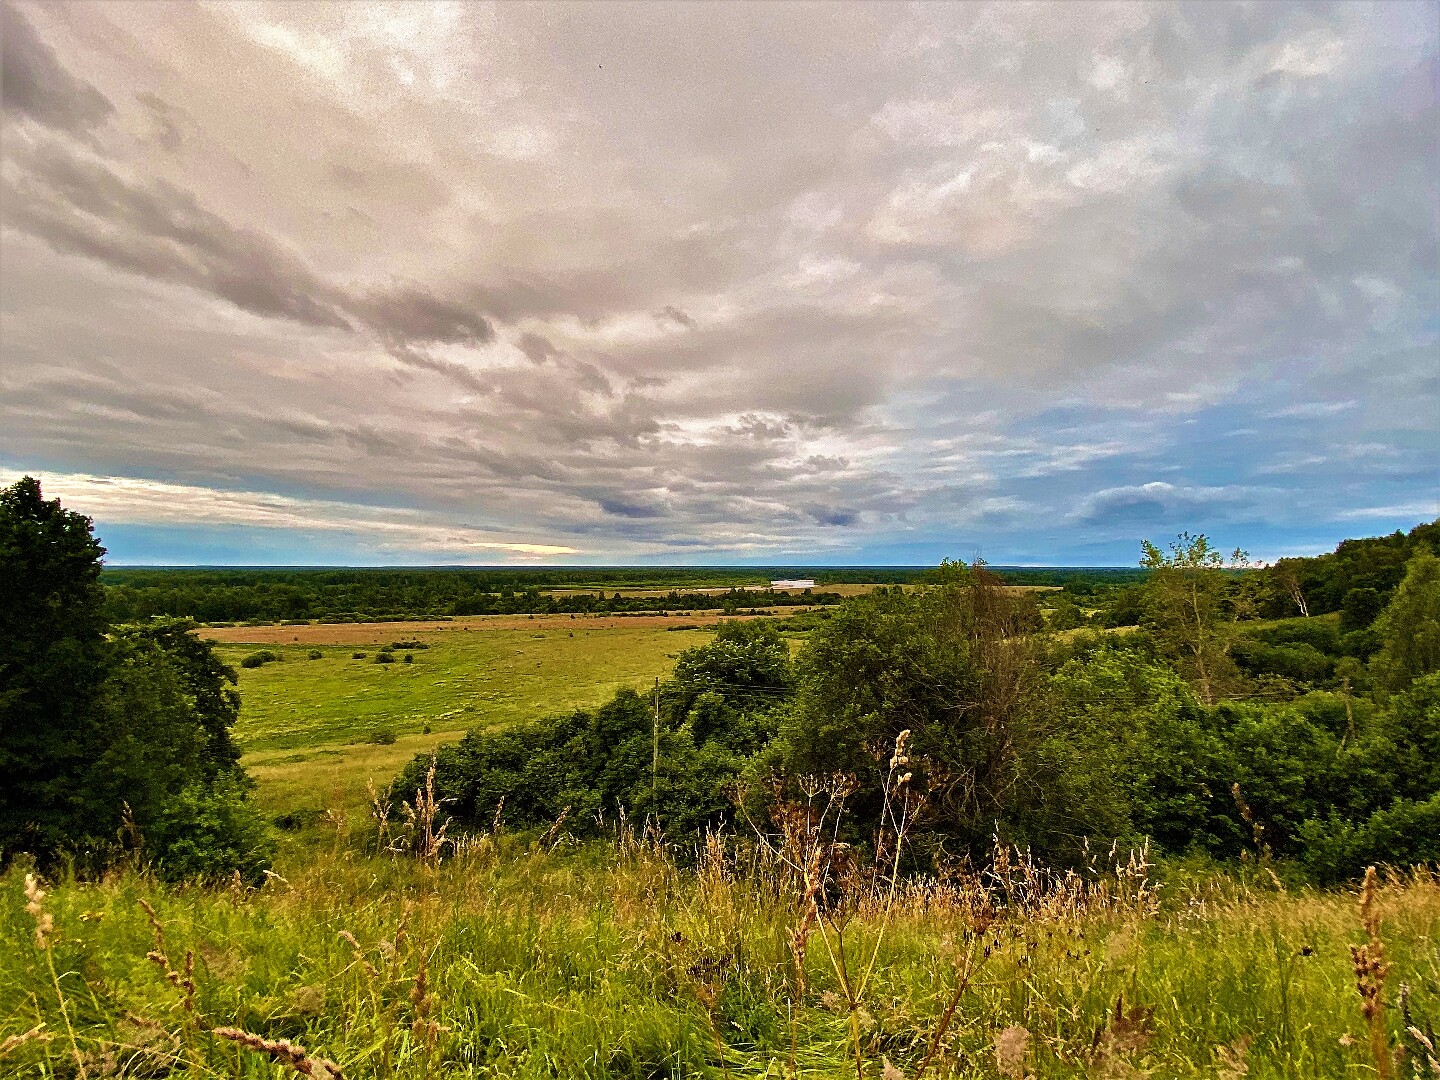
[[44, 921], [1011, 1046]]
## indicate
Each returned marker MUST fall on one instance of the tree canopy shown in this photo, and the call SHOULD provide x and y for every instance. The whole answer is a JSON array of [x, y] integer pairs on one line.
[[105, 726]]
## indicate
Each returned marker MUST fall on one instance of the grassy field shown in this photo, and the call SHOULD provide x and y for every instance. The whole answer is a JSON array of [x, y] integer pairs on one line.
[[512, 959], [520, 957], [307, 727]]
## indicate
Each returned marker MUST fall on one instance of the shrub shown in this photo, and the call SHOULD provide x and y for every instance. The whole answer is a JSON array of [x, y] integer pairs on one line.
[[407, 658], [315, 654], [384, 735], [1403, 834], [257, 659], [208, 833], [1321, 634], [295, 820], [1301, 662], [358, 655], [1360, 608], [384, 658]]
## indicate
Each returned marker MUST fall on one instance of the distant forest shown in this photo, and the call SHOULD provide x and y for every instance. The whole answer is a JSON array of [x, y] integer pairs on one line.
[[283, 594], [1356, 579]]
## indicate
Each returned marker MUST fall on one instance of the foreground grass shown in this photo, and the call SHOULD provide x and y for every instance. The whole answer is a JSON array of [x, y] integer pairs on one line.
[[606, 960]]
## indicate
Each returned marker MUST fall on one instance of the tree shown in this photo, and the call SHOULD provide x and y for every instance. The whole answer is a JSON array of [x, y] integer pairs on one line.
[[744, 671], [1184, 604], [1409, 628], [952, 665], [53, 666], [1286, 573], [96, 729]]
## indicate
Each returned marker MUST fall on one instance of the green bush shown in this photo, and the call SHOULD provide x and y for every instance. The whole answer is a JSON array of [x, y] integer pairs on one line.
[[208, 833], [257, 659], [407, 658], [1360, 608], [315, 654], [1321, 634], [1300, 662], [1403, 834], [358, 655], [384, 658], [384, 735]]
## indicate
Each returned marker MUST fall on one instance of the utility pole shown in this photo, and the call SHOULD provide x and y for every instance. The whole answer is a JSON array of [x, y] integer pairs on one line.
[[655, 750]]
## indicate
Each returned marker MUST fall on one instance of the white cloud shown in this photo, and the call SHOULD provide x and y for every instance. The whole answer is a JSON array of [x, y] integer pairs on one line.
[[129, 501], [651, 278]]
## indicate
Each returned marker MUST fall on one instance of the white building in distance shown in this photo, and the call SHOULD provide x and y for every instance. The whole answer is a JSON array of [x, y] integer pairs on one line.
[[796, 583]]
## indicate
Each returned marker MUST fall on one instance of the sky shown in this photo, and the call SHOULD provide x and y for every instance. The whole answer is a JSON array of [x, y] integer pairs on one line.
[[738, 283]]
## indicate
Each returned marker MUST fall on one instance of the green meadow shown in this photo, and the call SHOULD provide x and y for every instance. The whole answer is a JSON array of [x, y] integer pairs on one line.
[[315, 731]]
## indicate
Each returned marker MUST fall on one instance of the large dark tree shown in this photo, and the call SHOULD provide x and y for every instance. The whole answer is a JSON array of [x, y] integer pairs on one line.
[[96, 721], [52, 669]]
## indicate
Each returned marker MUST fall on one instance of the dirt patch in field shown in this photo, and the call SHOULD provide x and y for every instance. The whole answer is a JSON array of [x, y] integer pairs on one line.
[[381, 632]]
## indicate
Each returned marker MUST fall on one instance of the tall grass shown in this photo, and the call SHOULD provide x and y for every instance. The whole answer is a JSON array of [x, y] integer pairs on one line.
[[508, 958]]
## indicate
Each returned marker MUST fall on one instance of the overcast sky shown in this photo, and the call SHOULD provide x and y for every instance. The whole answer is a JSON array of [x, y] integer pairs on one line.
[[413, 283]]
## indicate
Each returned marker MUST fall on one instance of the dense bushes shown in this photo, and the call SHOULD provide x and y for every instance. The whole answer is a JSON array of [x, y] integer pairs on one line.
[[672, 757], [1058, 743]]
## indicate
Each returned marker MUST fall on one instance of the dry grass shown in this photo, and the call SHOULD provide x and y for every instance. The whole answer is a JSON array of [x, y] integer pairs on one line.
[[509, 958], [378, 633]]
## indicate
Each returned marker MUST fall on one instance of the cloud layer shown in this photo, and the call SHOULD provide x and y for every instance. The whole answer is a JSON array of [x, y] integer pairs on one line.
[[688, 282]]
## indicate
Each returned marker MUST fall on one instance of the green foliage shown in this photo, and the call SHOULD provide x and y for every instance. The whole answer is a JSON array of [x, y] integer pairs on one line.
[[260, 658], [715, 687], [1185, 603], [587, 767], [1322, 585], [1300, 662], [672, 757], [314, 654], [1405, 833], [1409, 629], [94, 732], [53, 724], [210, 832], [952, 665], [1359, 608]]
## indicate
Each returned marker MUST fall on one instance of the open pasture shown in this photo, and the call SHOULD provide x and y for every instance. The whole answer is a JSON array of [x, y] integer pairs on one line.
[[314, 731], [379, 633]]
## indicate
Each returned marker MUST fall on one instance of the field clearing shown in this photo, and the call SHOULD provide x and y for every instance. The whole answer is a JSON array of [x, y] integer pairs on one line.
[[308, 727], [379, 633]]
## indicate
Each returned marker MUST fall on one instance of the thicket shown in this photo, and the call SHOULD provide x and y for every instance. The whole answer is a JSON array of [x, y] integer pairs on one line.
[[112, 737], [1207, 733]]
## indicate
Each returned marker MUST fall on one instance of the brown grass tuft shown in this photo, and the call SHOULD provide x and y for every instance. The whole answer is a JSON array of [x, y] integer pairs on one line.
[[285, 1052]]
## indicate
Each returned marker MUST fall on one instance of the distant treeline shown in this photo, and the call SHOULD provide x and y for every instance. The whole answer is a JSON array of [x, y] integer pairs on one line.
[[1356, 579], [296, 593], [345, 595]]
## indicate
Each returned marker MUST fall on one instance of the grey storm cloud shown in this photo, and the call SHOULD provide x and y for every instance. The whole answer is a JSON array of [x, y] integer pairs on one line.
[[33, 83], [741, 278]]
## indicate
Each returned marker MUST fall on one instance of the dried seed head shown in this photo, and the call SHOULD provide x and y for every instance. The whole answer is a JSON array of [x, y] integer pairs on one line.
[[1011, 1046], [44, 921]]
